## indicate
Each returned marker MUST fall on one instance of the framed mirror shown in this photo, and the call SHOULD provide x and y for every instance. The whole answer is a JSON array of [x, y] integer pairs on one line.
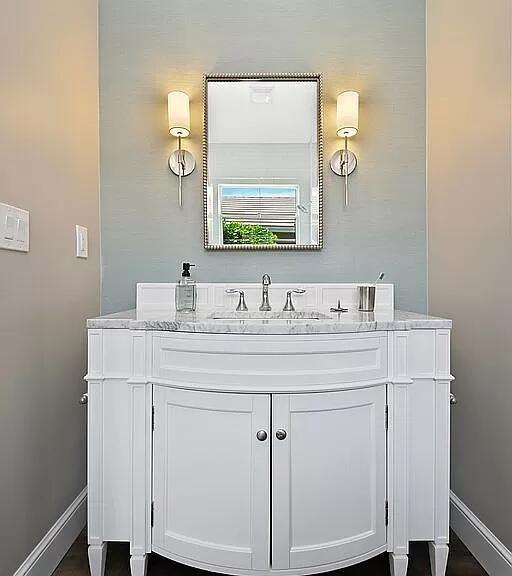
[[262, 162]]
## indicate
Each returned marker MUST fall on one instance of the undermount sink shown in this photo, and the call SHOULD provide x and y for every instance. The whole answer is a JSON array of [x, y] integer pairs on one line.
[[279, 316]]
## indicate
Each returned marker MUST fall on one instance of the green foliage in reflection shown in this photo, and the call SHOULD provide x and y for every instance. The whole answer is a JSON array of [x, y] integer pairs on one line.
[[240, 233]]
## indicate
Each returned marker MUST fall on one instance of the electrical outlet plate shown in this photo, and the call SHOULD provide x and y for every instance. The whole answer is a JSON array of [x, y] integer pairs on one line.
[[14, 228], [82, 242]]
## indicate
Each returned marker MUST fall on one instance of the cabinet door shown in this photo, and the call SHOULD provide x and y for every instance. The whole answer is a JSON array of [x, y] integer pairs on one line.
[[328, 476], [212, 477]]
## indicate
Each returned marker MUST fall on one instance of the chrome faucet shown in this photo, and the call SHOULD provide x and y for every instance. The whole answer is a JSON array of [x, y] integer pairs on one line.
[[289, 307], [265, 304], [242, 306]]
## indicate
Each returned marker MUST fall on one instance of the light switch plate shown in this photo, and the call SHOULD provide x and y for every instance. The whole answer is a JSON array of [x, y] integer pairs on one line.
[[14, 228], [82, 242]]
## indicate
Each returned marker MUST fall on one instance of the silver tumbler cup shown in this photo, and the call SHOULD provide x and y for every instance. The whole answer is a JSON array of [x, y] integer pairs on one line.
[[366, 298]]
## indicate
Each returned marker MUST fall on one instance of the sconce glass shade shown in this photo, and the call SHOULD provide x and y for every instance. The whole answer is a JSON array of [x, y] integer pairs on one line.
[[347, 114], [178, 111]]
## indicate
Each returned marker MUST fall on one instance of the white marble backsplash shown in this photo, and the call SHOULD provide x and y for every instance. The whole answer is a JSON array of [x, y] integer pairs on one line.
[[318, 296]]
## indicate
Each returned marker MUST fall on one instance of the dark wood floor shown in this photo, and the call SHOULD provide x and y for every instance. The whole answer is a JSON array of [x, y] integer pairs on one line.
[[460, 563]]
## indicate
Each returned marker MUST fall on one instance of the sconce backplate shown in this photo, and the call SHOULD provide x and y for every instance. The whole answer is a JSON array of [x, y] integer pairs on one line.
[[189, 162], [336, 162]]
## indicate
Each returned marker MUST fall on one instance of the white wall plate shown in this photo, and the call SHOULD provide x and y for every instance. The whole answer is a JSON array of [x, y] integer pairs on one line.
[[14, 228], [82, 242]]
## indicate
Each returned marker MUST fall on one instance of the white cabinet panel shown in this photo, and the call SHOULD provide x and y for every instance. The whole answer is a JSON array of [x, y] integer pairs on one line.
[[248, 363], [211, 477], [329, 480], [116, 460], [421, 437]]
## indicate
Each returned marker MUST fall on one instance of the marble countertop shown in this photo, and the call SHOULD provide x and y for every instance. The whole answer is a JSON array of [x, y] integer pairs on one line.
[[219, 321]]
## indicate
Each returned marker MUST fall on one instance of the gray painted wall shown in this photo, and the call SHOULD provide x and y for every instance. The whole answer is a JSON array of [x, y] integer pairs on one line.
[[470, 240], [49, 151], [149, 47]]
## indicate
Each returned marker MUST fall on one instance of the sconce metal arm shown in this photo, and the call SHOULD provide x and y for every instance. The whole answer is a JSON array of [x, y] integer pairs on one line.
[[181, 163], [343, 163]]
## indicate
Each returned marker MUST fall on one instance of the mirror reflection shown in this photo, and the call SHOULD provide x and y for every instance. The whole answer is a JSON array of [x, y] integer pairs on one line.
[[262, 176]]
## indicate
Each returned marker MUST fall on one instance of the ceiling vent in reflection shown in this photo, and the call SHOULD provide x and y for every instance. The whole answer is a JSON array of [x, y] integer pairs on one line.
[[262, 93]]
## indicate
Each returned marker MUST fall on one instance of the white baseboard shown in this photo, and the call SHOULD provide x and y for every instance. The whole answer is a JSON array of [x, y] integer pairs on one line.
[[45, 557], [492, 554]]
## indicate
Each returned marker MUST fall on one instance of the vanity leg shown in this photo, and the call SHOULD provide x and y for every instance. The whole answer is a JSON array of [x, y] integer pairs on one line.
[[97, 558], [138, 565], [398, 564], [438, 558]]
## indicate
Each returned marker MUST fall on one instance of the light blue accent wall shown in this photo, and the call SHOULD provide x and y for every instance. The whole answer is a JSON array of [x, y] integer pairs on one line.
[[149, 47]]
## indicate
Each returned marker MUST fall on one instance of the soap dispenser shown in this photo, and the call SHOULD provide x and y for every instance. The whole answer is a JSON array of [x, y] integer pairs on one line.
[[186, 291]]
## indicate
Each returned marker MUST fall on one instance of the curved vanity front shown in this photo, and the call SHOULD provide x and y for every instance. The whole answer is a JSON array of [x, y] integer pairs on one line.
[[241, 448], [254, 430]]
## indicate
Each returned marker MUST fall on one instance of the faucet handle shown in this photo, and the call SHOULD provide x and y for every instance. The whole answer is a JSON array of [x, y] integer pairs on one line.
[[242, 306], [289, 307]]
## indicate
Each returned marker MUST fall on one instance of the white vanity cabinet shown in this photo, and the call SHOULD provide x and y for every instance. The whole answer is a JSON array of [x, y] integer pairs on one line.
[[236, 487], [255, 454]]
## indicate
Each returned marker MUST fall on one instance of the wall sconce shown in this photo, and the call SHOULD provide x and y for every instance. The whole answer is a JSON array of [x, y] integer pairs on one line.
[[344, 162], [181, 162]]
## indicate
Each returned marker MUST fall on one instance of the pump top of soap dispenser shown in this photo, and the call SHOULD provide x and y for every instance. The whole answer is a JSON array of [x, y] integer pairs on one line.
[[186, 269]]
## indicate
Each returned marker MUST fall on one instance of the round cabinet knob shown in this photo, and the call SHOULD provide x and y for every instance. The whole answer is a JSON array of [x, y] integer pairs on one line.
[[281, 434], [453, 398], [261, 435], [84, 398]]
